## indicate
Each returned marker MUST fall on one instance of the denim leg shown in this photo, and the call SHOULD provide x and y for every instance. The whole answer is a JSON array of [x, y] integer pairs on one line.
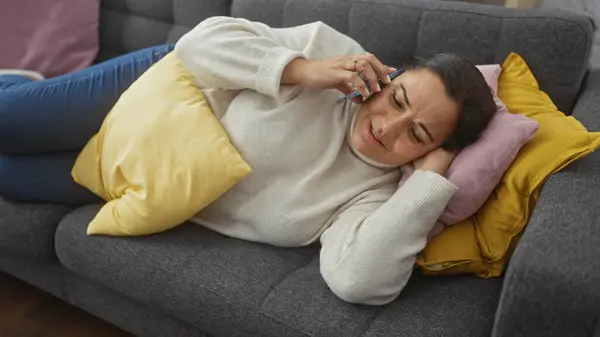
[[44, 125], [42, 178], [7, 81], [63, 113]]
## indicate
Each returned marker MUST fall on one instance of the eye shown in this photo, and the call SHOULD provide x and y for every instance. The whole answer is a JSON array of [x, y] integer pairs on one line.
[[413, 133], [396, 102]]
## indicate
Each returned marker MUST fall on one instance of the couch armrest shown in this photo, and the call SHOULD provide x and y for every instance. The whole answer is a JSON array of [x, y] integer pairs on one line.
[[552, 285]]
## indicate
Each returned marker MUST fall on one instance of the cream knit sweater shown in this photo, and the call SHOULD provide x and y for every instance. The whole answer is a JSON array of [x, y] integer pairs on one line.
[[307, 182]]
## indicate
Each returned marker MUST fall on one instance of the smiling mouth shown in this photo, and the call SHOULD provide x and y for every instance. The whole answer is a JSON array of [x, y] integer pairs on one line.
[[373, 137]]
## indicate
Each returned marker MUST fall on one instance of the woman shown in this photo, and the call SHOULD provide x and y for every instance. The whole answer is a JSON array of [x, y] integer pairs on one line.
[[321, 170]]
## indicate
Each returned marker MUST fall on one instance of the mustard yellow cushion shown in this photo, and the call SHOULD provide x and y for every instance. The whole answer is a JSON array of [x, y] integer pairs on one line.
[[483, 243], [159, 157]]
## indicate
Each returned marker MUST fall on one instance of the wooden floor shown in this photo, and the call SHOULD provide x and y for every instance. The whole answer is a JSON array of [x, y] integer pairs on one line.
[[26, 311]]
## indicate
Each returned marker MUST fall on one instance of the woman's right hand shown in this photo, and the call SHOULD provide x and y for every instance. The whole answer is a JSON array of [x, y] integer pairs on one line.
[[345, 73]]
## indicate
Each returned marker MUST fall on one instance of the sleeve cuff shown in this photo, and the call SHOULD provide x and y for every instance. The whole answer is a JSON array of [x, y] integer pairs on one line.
[[268, 78], [429, 193], [437, 182]]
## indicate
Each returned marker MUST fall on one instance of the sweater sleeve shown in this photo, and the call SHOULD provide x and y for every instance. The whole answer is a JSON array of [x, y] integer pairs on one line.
[[368, 252], [234, 53]]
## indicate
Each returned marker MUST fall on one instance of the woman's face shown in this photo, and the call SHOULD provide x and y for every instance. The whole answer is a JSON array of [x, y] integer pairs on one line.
[[407, 119]]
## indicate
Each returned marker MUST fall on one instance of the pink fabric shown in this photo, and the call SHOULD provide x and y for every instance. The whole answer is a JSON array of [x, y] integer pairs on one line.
[[491, 73], [53, 37], [478, 168]]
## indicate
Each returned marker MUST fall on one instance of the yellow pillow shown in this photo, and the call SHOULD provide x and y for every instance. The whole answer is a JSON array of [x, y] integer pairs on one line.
[[483, 243], [159, 157]]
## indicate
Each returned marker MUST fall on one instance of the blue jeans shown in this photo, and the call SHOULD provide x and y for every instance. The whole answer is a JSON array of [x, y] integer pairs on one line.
[[44, 125]]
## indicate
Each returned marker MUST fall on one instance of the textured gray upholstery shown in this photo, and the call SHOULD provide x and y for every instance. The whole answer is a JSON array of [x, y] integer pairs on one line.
[[131, 25], [28, 229], [584, 7], [105, 303], [557, 258], [189, 280], [556, 45], [231, 287]]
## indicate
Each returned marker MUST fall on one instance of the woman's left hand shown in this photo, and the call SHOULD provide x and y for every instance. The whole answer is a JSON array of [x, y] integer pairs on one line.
[[438, 161]]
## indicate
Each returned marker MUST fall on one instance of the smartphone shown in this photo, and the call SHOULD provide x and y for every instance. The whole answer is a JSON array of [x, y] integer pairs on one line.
[[355, 93]]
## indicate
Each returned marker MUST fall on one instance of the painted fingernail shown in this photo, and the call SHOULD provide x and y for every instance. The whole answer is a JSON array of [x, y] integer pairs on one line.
[[388, 79]]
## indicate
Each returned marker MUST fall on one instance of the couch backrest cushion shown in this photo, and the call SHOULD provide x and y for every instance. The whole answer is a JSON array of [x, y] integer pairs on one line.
[[128, 25], [555, 44]]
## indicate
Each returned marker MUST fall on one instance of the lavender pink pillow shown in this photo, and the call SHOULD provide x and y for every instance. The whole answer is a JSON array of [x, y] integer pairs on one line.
[[478, 168], [52, 37], [491, 73]]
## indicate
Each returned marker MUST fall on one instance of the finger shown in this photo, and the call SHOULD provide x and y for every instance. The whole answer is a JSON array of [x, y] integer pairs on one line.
[[346, 89], [369, 75], [358, 99], [379, 68], [353, 81], [358, 84]]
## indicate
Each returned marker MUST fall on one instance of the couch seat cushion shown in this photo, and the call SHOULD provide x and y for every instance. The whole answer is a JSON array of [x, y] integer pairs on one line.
[[28, 229], [230, 287]]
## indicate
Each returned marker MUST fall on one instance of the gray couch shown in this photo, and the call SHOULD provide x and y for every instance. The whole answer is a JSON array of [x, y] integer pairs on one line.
[[193, 282]]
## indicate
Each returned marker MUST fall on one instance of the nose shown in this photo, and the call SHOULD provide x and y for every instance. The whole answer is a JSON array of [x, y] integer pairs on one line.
[[392, 126]]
